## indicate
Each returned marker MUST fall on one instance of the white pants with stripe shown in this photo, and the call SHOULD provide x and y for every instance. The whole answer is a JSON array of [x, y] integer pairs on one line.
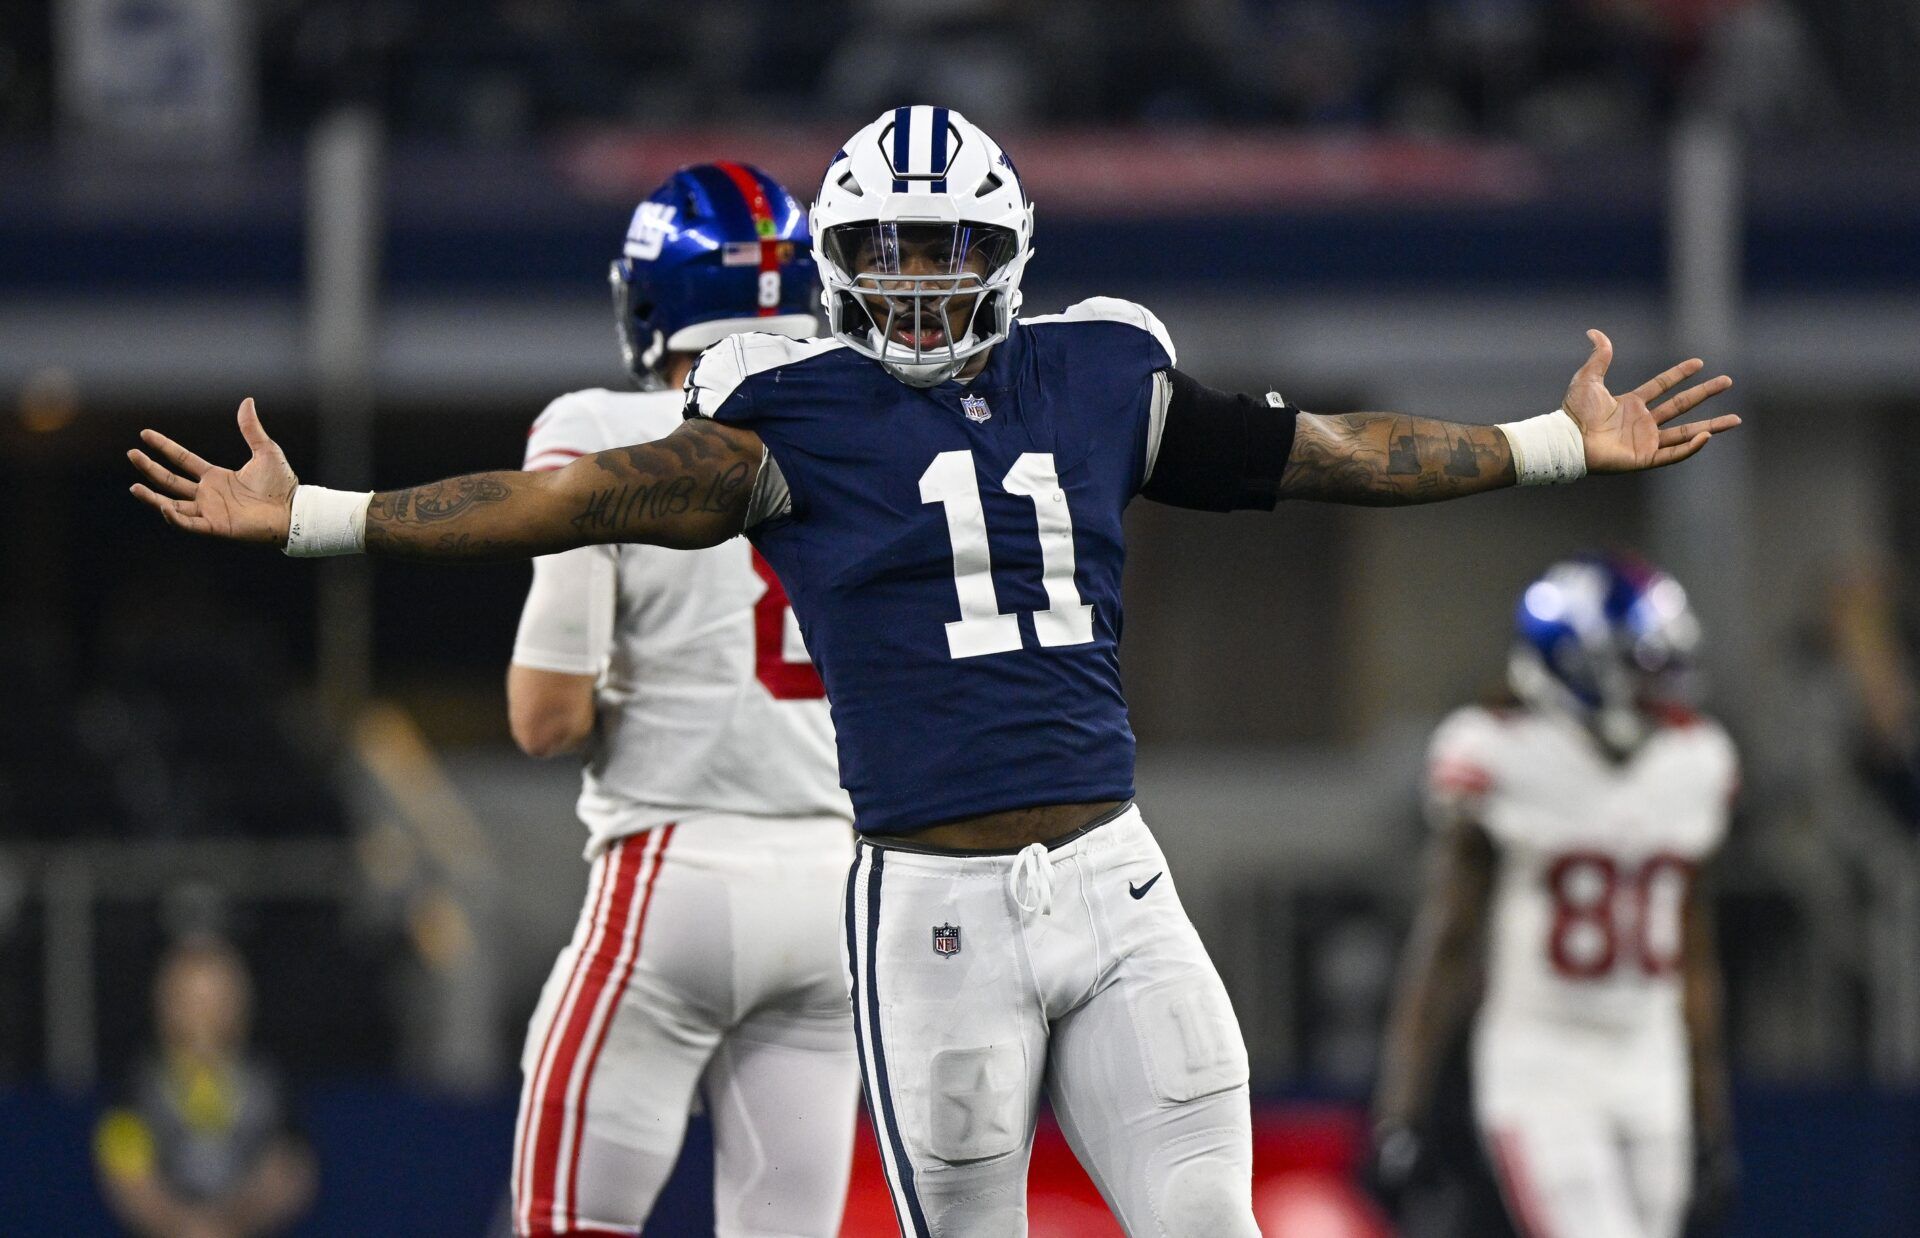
[[976, 980], [705, 958], [1589, 1130]]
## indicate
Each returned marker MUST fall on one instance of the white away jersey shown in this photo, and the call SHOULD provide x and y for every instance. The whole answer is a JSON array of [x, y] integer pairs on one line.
[[1596, 857], [707, 701]]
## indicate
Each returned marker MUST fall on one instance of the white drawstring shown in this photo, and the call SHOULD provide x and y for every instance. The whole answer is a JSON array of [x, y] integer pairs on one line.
[[1032, 879]]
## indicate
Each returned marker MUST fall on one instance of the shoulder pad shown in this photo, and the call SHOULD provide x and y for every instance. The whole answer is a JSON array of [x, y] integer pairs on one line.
[[1113, 309], [1464, 750], [721, 369], [1726, 754]]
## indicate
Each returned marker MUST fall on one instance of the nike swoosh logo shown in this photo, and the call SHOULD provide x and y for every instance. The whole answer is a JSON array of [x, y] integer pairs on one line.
[[1141, 891]]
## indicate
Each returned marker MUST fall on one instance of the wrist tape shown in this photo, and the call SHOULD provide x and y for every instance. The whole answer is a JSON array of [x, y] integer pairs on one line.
[[327, 522], [1547, 450]]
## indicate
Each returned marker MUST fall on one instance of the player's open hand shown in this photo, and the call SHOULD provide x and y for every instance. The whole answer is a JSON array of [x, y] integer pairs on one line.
[[1622, 433], [251, 505]]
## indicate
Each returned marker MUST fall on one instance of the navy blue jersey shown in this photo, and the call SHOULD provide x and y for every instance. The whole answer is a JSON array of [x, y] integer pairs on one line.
[[953, 554]]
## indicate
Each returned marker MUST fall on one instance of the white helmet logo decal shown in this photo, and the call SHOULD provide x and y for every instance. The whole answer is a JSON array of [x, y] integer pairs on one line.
[[648, 235]]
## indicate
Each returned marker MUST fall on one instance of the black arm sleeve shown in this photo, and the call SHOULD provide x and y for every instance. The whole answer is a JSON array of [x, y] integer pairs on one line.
[[1220, 452]]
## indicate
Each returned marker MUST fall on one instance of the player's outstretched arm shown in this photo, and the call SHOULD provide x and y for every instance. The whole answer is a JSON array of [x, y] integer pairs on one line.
[[1388, 459], [687, 490]]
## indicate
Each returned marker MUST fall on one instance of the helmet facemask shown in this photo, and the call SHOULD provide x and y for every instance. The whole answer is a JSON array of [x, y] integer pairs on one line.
[[642, 347], [922, 299]]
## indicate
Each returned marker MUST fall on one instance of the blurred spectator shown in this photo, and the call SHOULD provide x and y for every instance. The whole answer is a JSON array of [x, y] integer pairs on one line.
[[1864, 627], [203, 1145], [510, 70]]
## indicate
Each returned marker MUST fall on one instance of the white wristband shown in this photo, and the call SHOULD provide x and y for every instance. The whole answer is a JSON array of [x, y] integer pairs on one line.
[[327, 522], [1547, 450]]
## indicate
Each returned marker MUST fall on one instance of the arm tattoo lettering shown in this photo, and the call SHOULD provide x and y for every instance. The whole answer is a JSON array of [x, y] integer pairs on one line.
[[1380, 460], [688, 489], [613, 508], [724, 491]]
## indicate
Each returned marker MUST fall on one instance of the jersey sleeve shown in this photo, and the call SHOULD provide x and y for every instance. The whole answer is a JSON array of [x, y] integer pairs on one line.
[[566, 624], [1113, 309], [718, 386], [1144, 354], [566, 430], [1461, 768]]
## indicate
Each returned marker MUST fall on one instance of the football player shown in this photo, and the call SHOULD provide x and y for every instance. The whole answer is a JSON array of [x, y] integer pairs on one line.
[[940, 484], [1566, 901], [706, 952]]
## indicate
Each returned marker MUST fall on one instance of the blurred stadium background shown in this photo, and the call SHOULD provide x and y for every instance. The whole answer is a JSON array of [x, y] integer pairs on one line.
[[389, 221]]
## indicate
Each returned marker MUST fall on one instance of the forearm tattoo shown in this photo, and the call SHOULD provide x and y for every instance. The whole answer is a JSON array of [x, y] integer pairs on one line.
[[664, 479], [685, 490], [395, 518], [1384, 460]]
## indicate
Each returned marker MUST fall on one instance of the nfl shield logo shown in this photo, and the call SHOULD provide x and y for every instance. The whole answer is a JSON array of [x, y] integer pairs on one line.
[[975, 407], [946, 940]]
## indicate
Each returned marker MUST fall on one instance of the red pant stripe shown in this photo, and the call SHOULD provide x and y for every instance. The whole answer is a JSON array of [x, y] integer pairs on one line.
[[570, 1185], [529, 1105], [548, 1115], [1510, 1155]]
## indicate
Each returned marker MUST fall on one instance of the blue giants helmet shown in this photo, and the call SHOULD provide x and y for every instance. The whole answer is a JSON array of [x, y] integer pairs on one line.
[[720, 248], [1609, 639]]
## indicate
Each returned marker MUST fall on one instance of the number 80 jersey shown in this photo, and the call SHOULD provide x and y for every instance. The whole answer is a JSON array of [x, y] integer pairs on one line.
[[953, 554], [1596, 856]]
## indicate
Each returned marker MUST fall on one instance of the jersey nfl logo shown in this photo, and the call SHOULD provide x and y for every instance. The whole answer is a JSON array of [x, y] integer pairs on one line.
[[975, 407], [946, 940]]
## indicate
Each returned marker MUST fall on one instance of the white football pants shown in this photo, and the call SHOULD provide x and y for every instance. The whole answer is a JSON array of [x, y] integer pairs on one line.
[[975, 979], [705, 957], [1589, 1132]]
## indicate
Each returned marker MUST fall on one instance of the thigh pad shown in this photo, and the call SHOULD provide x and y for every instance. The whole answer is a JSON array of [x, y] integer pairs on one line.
[[1191, 1042], [976, 1102]]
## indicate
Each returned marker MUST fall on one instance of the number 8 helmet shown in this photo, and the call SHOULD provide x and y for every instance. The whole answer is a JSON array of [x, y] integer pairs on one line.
[[720, 248], [919, 211], [1609, 639]]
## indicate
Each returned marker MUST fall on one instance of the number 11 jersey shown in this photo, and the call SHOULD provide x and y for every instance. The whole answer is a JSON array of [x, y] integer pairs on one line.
[[953, 554]]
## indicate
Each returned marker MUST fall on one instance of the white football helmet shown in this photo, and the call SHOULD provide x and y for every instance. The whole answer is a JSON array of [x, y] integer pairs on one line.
[[919, 208]]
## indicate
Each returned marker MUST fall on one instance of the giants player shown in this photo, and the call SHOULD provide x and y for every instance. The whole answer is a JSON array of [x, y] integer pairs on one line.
[[1573, 827], [940, 485], [706, 952]]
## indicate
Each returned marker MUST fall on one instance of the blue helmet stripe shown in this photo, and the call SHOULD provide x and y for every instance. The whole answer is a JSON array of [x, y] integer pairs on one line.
[[939, 150], [902, 127]]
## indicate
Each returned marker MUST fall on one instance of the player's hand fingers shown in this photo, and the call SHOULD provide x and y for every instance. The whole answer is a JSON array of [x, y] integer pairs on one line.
[[1666, 379], [173, 453], [180, 513], [1690, 399], [251, 429], [1674, 455], [175, 485], [1595, 367], [1672, 435]]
